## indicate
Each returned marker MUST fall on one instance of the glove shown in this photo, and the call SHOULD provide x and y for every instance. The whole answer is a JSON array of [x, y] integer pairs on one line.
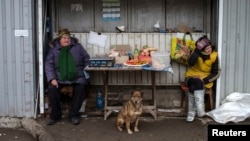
[[197, 51], [203, 43]]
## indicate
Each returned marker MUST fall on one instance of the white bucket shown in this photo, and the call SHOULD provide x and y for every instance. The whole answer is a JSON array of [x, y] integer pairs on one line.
[[160, 60], [83, 106]]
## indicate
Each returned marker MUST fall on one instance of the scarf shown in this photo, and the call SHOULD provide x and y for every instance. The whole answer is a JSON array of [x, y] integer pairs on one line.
[[67, 66], [205, 56]]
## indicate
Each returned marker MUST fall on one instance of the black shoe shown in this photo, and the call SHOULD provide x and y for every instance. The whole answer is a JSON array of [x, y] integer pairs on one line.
[[75, 120], [51, 122]]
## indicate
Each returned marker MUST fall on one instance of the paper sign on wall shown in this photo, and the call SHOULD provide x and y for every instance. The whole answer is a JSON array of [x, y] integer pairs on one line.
[[21, 32], [111, 10]]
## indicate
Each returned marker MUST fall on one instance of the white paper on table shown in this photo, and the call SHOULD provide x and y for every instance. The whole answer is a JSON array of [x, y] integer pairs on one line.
[[97, 39]]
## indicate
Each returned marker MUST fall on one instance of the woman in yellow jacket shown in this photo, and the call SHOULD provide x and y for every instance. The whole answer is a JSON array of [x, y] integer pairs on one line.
[[203, 71]]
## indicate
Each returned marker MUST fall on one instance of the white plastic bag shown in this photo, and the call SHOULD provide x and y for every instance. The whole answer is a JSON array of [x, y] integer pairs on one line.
[[235, 108]]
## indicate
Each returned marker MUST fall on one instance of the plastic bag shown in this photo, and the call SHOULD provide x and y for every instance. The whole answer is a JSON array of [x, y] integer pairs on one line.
[[235, 108], [181, 48]]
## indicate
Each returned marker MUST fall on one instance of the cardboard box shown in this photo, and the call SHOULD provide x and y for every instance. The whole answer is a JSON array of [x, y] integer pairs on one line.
[[121, 59], [122, 49]]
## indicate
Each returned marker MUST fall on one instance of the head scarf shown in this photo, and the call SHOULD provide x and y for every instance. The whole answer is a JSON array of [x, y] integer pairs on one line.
[[202, 43], [62, 32]]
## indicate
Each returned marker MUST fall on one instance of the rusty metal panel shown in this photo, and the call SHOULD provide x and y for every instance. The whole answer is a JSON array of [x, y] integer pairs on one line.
[[17, 60]]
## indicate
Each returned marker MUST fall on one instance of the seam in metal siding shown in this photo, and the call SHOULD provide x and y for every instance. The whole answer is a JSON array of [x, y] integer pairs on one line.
[[17, 64]]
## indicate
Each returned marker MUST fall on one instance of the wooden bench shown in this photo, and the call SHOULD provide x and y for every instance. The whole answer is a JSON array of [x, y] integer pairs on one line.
[[184, 89]]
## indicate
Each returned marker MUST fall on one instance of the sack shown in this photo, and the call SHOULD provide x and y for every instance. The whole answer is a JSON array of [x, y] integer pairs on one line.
[[181, 48]]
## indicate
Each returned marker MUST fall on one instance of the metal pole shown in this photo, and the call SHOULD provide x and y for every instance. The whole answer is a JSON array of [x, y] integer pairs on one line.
[[40, 45]]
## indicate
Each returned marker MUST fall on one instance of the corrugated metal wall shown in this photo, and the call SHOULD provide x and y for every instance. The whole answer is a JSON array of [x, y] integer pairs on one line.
[[136, 15], [235, 58], [17, 59], [162, 41]]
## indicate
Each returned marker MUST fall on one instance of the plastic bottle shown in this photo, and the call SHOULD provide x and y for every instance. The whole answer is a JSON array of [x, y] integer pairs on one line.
[[136, 53], [99, 100], [130, 57]]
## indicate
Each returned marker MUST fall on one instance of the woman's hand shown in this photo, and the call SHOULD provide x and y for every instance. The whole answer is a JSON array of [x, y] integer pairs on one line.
[[54, 83]]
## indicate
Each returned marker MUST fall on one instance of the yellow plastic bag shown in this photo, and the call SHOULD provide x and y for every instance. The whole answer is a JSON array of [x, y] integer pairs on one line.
[[181, 48]]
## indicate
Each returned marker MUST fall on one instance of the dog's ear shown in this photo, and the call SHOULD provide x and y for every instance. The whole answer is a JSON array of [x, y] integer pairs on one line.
[[142, 93], [132, 93]]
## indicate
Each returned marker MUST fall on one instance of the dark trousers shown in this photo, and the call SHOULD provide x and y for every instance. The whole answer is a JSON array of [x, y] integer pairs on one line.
[[55, 100], [194, 84]]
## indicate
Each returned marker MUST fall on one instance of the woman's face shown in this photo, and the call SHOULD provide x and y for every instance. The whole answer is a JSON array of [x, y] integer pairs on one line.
[[65, 40], [208, 50]]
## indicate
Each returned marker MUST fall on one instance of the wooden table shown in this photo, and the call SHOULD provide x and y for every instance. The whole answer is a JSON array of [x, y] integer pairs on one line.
[[105, 72]]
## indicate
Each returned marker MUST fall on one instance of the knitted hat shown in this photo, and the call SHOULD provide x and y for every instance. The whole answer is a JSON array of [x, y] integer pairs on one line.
[[62, 32], [203, 42]]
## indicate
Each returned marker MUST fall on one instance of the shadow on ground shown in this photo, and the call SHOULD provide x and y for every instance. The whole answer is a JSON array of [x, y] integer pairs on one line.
[[95, 128]]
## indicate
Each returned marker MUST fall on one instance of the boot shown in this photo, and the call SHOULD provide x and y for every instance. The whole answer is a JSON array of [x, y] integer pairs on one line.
[[199, 102], [191, 108]]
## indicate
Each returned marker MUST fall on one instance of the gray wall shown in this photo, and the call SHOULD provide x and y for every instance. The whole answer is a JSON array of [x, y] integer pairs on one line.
[[17, 59], [136, 15], [235, 76]]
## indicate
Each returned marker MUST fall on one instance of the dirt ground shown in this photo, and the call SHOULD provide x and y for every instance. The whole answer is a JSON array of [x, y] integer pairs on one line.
[[19, 134], [95, 128]]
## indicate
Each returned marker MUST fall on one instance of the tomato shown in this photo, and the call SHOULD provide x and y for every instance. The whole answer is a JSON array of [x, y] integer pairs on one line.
[[130, 62]]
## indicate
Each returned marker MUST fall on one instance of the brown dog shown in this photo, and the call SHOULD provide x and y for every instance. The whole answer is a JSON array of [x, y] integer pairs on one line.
[[130, 112], [67, 90]]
